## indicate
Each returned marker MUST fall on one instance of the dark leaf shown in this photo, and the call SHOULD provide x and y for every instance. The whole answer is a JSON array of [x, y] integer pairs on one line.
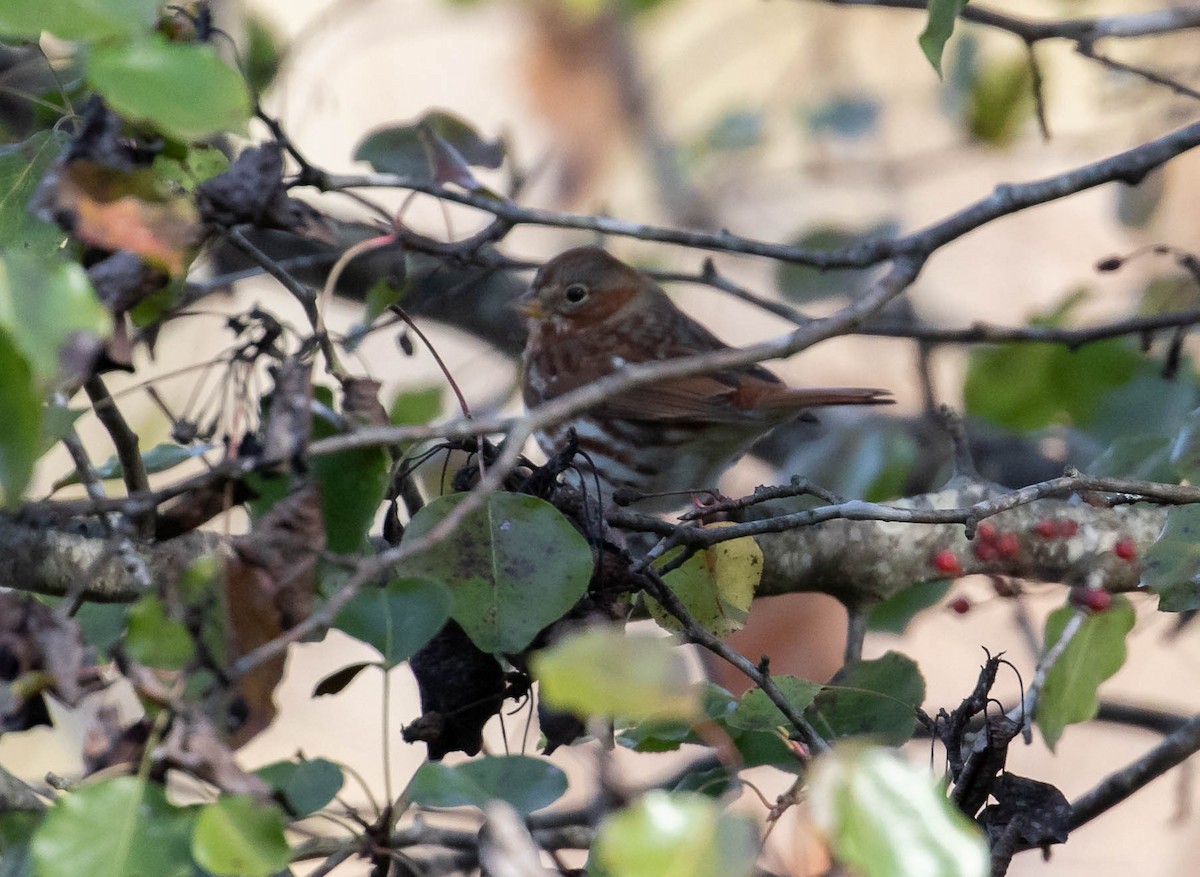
[[528, 784], [514, 566], [336, 681], [877, 698], [398, 619], [306, 785]]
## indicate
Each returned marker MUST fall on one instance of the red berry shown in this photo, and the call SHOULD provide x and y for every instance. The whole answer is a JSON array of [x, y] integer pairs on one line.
[[944, 561], [1047, 528], [1007, 544], [985, 551], [1092, 599], [1067, 528], [961, 605], [1125, 548], [986, 531]]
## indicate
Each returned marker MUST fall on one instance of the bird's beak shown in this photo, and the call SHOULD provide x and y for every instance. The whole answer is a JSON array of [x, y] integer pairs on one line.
[[530, 306]]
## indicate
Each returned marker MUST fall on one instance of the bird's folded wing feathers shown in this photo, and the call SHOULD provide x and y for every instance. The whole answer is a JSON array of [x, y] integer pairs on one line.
[[751, 398]]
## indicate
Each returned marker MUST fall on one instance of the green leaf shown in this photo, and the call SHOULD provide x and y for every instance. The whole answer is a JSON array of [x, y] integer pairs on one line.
[[57, 421], [803, 283], [1001, 101], [938, 28], [20, 422], [101, 624], [154, 639], [184, 89], [894, 613], [883, 817], [1030, 386], [200, 162], [756, 712], [352, 487], [528, 784], [306, 785], [736, 130], [16, 835], [382, 295], [667, 834], [415, 407], [22, 167], [239, 837], [1171, 566], [262, 54], [643, 677], [876, 698], [398, 619], [114, 828], [716, 585], [513, 566], [77, 19], [48, 307], [159, 458], [1095, 652], [665, 735], [403, 150]]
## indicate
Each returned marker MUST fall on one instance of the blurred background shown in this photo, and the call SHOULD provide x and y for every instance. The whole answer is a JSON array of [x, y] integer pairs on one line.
[[786, 121]]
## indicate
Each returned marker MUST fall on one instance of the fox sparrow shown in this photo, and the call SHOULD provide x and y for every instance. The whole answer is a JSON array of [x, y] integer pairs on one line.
[[589, 314]]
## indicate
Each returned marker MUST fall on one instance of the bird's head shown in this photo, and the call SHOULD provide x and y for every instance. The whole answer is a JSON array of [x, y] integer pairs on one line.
[[579, 289]]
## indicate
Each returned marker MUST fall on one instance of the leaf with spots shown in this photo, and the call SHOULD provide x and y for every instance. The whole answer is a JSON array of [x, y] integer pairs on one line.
[[716, 585], [513, 566]]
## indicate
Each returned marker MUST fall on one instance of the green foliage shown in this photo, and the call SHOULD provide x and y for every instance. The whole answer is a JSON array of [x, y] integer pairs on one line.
[[1171, 567], [160, 458], [1030, 386], [16, 834], [602, 672], [875, 698], [1000, 101], [397, 619], [262, 54], [420, 150], [716, 586], [886, 818], [22, 166], [237, 836], [528, 784], [20, 419], [48, 307], [756, 712], [514, 565], [1094, 653], [156, 640], [675, 835], [307, 786], [352, 485], [894, 614], [77, 19], [938, 28], [114, 828], [804, 284], [183, 89], [415, 407]]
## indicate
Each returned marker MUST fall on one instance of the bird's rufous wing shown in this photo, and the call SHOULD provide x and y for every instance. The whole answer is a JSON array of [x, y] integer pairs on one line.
[[720, 399]]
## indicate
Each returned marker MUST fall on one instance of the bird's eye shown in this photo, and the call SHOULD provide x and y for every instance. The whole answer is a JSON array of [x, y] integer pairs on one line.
[[575, 293]]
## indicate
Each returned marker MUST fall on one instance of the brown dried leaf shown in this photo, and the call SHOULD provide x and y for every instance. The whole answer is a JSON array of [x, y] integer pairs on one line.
[[192, 745], [252, 192], [360, 402], [269, 587], [114, 210]]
